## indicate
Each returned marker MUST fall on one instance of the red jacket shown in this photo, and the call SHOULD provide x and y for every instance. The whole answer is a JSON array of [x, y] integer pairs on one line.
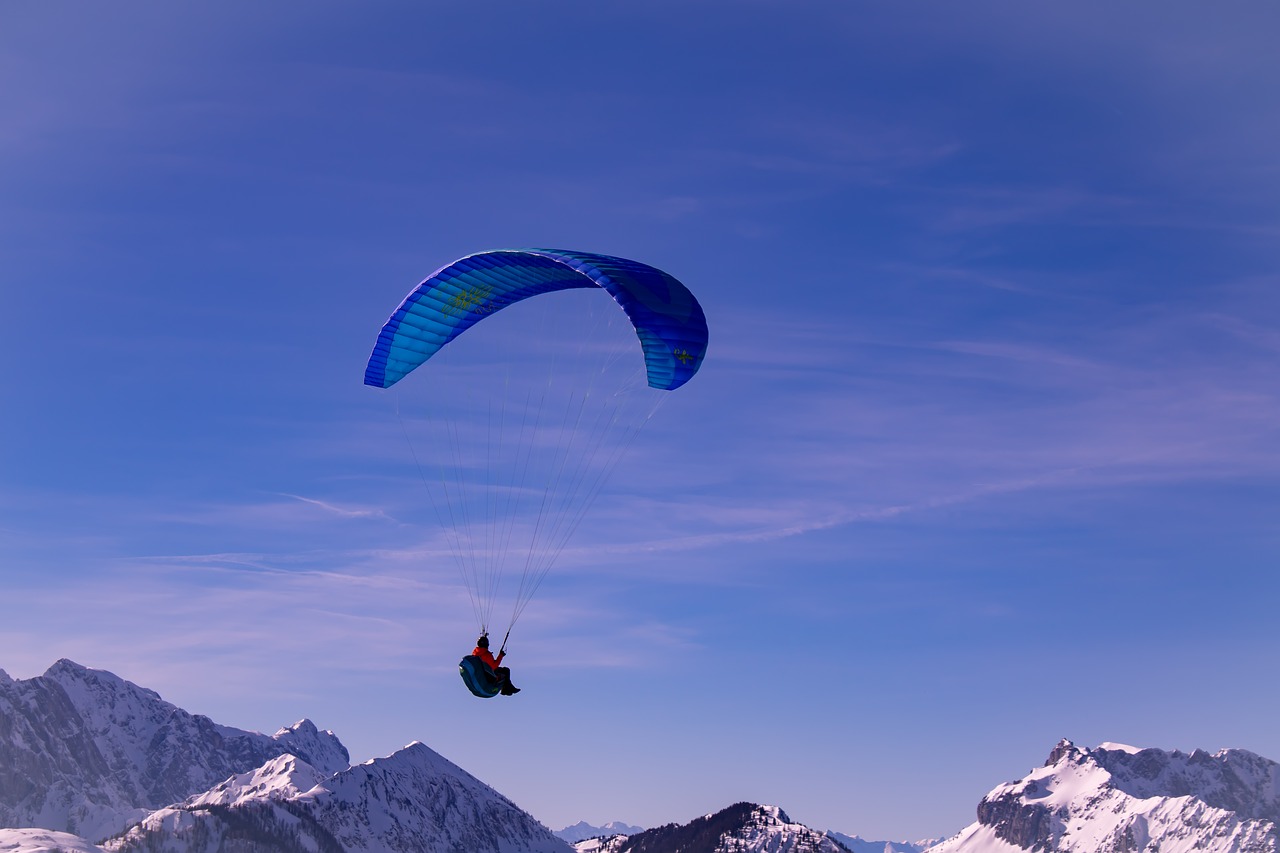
[[487, 656]]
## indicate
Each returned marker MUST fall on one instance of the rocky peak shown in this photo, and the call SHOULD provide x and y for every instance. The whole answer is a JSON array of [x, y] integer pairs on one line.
[[320, 749], [281, 778], [745, 827], [1236, 780], [1064, 750], [1120, 798], [87, 751], [97, 682]]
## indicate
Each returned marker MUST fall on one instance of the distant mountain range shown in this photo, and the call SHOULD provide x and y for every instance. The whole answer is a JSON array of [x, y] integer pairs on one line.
[[855, 844], [90, 763], [582, 830]]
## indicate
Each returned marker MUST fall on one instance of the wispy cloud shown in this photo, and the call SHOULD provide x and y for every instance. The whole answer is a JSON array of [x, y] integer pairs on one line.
[[342, 512], [1145, 398]]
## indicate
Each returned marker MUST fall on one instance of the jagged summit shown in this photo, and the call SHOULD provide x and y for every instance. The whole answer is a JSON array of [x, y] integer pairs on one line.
[[1063, 748], [304, 728], [320, 748], [281, 778], [1118, 797], [66, 671]]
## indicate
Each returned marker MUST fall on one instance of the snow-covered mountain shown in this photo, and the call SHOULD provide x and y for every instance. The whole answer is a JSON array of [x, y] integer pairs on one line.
[[86, 752], [582, 830], [741, 828], [85, 755], [1118, 799], [413, 801]]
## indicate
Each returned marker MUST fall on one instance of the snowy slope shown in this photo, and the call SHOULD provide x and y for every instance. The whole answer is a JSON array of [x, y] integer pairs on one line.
[[43, 841], [741, 828], [86, 752], [1120, 798], [282, 778], [977, 838], [399, 802], [413, 800]]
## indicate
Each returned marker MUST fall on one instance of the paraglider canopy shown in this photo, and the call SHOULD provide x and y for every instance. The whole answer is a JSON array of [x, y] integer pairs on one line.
[[514, 449], [667, 318]]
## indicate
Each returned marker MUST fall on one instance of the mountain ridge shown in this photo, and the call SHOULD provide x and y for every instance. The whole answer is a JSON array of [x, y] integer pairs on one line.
[[1121, 798], [90, 753], [412, 801]]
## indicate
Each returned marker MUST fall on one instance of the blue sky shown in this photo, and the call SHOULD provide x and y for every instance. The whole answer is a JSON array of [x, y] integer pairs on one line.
[[984, 452]]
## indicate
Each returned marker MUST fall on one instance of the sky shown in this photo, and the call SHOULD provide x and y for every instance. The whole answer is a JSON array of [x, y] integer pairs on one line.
[[985, 451]]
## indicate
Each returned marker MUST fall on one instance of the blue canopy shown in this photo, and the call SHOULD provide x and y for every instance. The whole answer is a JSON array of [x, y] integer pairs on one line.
[[667, 318]]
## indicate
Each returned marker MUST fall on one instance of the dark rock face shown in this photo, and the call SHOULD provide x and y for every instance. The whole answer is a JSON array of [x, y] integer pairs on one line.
[[1063, 749], [697, 836], [1029, 826], [86, 752]]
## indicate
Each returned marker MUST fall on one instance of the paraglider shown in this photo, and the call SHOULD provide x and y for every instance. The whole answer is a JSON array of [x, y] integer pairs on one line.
[[484, 675], [520, 442]]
